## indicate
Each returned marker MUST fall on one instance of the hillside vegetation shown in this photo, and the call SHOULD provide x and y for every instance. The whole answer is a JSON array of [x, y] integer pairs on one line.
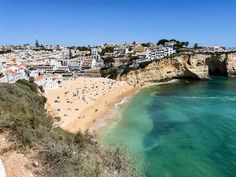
[[62, 154]]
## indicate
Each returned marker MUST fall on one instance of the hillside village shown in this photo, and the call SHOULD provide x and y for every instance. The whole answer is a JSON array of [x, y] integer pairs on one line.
[[49, 65]]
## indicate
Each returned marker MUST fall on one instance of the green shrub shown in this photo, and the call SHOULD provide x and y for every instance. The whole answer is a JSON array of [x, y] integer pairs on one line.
[[27, 85], [144, 64], [22, 112], [70, 154], [126, 70], [63, 154], [41, 88], [111, 73]]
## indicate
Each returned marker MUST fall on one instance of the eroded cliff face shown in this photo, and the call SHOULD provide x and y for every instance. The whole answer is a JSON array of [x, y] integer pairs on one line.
[[231, 64], [217, 64], [191, 66]]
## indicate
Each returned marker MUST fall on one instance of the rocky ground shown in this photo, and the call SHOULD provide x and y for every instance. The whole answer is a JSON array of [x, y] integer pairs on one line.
[[16, 163]]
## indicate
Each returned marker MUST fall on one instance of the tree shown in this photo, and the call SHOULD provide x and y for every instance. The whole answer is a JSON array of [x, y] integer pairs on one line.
[[173, 40], [37, 43], [134, 42], [133, 60], [70, 53], [41, 88], [162, 42], [180, 45], [146, 44], [41, 46], [107, 49], [108, 61], [58, 47], [83, 48], [186, 44], [31, 79], [196, 46]]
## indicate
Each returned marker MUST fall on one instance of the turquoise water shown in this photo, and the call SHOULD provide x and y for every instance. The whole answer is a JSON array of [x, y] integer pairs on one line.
[[183, 129]]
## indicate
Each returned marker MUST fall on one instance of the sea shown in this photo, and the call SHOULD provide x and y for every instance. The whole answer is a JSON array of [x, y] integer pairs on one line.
[[180, 129]]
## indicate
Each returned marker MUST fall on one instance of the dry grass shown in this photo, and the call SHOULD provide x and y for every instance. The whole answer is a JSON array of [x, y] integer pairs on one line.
[[61, 153]]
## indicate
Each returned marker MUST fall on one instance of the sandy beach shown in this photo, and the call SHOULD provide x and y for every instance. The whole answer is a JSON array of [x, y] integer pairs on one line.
[[80, 101]]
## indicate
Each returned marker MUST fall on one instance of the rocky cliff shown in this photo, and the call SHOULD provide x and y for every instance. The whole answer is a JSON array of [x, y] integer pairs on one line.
[[187, 65]]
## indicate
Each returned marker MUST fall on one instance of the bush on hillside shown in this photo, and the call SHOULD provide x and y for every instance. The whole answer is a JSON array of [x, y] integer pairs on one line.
[[66, 156], [110, 73], [27, 85], [63, 154], [22, 112]]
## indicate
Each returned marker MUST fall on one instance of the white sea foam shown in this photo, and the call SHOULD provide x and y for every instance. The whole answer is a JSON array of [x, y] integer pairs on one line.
[[136, 92], [100, 123], [152, 146], [110, 116], [124, 100], [168, 82], [163, 83]]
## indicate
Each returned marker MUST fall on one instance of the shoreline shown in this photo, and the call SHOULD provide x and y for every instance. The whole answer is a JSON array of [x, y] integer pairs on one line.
[[112, 115], [78, 114], [85, 119], [103, 112]]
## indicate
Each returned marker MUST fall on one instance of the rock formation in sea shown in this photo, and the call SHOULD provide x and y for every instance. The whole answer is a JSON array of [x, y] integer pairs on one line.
[[183, 66]]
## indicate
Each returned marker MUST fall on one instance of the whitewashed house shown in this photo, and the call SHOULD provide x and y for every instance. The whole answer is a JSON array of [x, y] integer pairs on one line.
[[49, 81], [14, 73], [88, 63], [95, 53], [215, 49], [120, 52], [155, 53]]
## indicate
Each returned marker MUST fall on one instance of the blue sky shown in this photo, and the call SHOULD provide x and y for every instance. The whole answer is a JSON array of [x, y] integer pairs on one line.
[[83, 22]]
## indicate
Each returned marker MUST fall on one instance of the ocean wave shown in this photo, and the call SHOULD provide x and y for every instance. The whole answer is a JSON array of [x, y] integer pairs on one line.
[[100, 123], [112, 115], [166, 82], [169, 82], [151, 147], [124, 100]]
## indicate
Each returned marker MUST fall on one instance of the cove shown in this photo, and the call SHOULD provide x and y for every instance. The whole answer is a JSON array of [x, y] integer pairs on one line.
[[182, 129]]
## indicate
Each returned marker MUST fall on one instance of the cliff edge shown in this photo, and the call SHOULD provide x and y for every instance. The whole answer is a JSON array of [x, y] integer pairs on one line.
[[182, 66]]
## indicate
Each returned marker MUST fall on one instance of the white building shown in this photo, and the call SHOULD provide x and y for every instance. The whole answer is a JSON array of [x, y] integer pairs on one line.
[[37, 70], [95, 53], [49, 81], [120, 52], [1, 67], [154, 53], [88, 63], [14, 73], [53, 62], [75, 63], [159, 53], [215, 49]]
